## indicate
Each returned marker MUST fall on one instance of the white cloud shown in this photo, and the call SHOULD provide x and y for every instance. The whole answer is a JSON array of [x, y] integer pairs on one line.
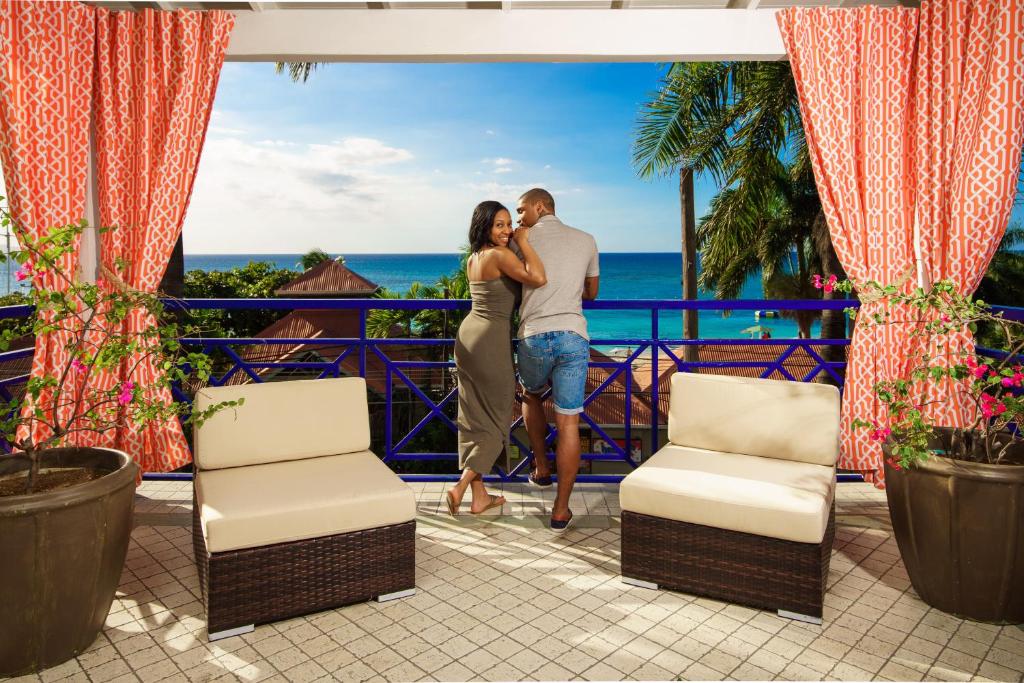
[[547, 167], [502, 164], [490, 132], [357, 194]]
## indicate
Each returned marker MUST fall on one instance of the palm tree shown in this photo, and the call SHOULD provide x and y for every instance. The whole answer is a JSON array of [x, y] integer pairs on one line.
[[770, 232], [298, 71], [665, 131], [740, 122], [1004, 280], [314, 257]]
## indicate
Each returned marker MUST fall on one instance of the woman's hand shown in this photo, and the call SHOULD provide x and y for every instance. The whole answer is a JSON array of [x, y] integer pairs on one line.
[[521, 235]]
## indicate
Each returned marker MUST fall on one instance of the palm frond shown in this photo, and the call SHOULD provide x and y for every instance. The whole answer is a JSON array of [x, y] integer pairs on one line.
[[299, 72]]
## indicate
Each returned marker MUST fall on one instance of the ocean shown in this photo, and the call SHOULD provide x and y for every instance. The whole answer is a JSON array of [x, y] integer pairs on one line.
[[623, 276]]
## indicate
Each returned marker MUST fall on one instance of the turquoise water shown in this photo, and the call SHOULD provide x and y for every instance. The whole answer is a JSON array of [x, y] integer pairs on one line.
[[623, 276]]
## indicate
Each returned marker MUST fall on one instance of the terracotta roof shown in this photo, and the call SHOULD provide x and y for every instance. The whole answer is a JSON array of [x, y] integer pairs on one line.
[[798, 364], [327, 324], [328, 279]]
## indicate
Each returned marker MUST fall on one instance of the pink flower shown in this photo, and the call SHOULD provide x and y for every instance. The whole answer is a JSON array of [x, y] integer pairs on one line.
[[126, 393], [980, 371], [78, 365], [895, 465], [882, 434], [971, 363], [827, 286], [946, 318], [23, 273]]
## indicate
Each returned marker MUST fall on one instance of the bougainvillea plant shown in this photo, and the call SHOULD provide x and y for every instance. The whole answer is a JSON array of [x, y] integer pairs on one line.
[[89, 319], [938, 364]]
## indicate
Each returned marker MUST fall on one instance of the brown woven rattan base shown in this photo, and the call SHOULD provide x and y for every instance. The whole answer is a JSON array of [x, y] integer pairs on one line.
[[768, 573], [259, 585]]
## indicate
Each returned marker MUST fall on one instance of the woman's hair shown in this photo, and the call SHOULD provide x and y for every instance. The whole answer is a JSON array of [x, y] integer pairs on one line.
[[481, 224]]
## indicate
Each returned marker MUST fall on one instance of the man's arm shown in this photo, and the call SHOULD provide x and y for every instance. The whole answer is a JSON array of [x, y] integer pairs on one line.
[[593, 271]]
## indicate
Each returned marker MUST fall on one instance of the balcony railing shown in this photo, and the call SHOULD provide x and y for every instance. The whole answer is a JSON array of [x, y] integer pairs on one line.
[[394, 363]]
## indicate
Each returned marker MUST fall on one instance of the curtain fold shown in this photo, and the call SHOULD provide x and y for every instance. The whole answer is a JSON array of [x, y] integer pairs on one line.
[[156, 76], [853, 71], [914, 122], [46, 71]]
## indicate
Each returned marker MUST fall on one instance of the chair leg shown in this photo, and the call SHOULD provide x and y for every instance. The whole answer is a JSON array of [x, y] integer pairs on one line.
[[228, 633], [639, 583], [795, 616], [396, 595]]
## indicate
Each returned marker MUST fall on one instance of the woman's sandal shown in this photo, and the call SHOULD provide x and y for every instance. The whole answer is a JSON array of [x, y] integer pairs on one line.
[[453, 507], [495, 502]]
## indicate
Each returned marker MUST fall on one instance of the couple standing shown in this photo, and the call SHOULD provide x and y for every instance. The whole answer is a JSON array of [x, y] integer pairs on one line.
[[550, 268]]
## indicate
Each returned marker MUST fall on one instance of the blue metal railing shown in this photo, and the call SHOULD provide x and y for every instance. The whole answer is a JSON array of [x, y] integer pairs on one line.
[[396, 372]]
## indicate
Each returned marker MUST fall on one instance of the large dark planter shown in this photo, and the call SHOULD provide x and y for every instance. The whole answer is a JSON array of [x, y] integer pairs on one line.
[[61, 560], [960, 530]]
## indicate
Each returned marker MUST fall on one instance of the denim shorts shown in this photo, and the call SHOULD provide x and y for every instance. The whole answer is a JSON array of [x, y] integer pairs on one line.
[[558, 358]]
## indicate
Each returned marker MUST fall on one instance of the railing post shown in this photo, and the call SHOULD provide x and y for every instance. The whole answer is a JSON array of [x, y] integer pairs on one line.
[[655, 411], [362, 342]]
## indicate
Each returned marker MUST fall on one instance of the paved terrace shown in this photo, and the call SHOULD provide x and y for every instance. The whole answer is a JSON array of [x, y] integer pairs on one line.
[[502, 598]]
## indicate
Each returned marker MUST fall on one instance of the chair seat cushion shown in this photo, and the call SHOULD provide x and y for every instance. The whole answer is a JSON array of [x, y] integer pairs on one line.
[[764, 496], [247, 507]]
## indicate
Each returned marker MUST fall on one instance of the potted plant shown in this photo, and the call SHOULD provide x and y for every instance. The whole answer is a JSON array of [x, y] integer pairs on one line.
[[955, 494], [66, 509]]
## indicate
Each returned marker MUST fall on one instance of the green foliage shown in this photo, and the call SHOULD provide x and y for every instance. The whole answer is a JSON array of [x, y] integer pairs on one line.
[[938, 367], [256, 280], [299, 72], [740, 123], [89, 320], [314, 257], [1003, 284], [428, 324]]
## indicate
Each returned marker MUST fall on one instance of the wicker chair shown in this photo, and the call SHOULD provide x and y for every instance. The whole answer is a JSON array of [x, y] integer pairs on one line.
[[292, 513], [740, 504]]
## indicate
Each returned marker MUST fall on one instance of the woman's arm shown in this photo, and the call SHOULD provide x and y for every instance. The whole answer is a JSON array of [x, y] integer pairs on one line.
[[529, 271]]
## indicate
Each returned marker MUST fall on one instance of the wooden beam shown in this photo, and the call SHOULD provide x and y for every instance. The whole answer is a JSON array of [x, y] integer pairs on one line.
[[522, 35]]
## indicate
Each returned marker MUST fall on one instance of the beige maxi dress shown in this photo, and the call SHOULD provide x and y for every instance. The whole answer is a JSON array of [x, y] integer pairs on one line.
[[487, 382]]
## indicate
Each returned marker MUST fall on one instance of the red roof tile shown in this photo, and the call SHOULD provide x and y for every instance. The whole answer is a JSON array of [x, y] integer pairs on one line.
[[328, 279]]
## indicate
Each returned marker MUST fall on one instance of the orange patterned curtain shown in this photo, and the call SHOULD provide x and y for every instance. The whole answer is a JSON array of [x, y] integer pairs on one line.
[[911, 115], [46, 70], [156, 76], [969, 123]]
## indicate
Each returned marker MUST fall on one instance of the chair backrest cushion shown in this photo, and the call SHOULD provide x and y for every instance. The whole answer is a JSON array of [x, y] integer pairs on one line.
[[280, 421], [768, 418]]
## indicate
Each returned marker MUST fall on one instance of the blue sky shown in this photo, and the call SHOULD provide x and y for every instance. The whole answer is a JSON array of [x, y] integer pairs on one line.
[[393, 157]]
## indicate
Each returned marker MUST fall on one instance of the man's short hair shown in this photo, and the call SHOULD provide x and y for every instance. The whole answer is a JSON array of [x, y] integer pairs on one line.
[[539, 194]]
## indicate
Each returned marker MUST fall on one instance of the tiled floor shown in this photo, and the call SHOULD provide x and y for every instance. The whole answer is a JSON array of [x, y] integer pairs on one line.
[[503, 599]]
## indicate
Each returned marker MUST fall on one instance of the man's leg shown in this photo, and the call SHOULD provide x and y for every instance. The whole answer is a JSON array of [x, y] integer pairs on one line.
[[537, 428], [567, 458], [569, 383]]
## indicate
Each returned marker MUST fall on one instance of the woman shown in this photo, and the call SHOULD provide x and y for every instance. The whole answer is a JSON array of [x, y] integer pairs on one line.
[[483, 348]]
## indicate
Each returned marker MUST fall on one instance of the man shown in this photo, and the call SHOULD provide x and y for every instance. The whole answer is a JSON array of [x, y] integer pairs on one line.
[[554, 347]]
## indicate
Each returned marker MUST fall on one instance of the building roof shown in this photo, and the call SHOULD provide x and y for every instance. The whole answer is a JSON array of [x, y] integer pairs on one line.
[[329, 324], [328, 279]]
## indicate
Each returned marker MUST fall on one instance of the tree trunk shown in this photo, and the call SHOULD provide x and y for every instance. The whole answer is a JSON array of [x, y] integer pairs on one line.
[[173, 282], [833, 323], [689, 252]]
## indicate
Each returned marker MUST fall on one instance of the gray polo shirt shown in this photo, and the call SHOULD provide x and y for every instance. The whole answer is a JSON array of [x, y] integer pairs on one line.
[[569, 255]]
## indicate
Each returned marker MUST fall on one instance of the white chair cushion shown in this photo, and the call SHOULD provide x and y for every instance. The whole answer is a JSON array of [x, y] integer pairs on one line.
[[763, 496], [283, 421], [247, 507], [774, 419]]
